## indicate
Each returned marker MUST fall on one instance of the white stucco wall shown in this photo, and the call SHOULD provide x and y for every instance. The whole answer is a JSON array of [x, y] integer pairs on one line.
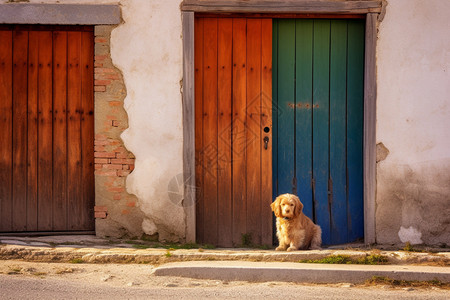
[[413, 122], [147, 48]]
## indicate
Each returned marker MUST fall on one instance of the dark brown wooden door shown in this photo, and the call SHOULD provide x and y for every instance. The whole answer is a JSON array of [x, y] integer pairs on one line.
[[233, 118], [46, 129]]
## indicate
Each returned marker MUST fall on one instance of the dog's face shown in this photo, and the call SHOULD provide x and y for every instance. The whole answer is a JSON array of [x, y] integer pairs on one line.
[[287, 206]]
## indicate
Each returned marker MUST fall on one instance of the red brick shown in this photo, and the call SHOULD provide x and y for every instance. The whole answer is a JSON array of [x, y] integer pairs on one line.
[[126, 167], [116, 189], [115, 123], [100, 137], [98, 65], [101, 57], [106, 172], [98, 166], [125, 212], [101, 142], [117, 197], [131, 204], [112, 167], [115, 103], [105, 154], [99, 148], [120, 149], [131, 167], [99, 88], [100, 208], [104, 70], [122, 155], [124, 161], [123, 173], [102, 82], [100, 40], [100, 215], [111, 76], [101, 160]]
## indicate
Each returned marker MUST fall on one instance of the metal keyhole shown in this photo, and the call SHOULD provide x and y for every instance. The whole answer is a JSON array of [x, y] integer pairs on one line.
[[266, 142]]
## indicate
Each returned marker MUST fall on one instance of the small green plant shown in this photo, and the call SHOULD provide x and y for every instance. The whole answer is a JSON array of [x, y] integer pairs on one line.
[[373, 259], [168, 254], [39, 274], [246, 239], [76, 261], [409, 248], [14, 270], [406, 283]]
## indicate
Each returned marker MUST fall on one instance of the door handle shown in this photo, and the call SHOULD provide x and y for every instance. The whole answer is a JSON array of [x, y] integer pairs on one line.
[[266, 142]]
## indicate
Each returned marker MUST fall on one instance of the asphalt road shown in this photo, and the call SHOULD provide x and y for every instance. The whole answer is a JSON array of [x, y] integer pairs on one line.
[[24, 287]]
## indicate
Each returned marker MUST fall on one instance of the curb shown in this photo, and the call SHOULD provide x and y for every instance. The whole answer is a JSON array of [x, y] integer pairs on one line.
[[161, 256], [308, 273]]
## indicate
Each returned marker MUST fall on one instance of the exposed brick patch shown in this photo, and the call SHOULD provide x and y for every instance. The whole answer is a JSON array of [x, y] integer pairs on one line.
[[113, 162]]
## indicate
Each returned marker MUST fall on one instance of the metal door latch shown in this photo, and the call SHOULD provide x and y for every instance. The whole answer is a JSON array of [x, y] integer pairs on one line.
[[266, 142]]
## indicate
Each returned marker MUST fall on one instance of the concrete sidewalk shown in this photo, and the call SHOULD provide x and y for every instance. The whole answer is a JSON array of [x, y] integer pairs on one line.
[[230, 264], [296, 272]]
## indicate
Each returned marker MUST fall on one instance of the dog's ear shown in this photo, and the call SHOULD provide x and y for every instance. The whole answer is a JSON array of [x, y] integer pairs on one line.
[[298, 206], [276, 207]]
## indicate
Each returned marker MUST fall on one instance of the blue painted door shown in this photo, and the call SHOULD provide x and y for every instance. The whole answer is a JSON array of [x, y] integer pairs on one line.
[[318, 80]]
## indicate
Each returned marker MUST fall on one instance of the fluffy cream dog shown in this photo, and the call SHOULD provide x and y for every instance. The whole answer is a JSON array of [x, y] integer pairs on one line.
[[294, 229]]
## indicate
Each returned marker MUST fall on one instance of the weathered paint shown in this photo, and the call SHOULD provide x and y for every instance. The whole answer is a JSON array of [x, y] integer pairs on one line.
[[147, 47], [413, 121]]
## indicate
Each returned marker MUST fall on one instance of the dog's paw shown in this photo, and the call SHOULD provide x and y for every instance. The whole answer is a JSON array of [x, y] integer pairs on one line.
[[280, 248], [291, 249]]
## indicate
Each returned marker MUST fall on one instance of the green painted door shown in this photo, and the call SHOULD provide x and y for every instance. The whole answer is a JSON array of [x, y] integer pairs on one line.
[[318, 91]]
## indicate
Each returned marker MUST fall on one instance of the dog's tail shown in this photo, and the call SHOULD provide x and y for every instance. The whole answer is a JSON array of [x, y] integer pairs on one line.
[[316, 241]]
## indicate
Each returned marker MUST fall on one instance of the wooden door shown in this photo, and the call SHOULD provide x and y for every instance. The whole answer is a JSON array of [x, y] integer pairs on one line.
[[318, 121], [233, 103], [46, 129]]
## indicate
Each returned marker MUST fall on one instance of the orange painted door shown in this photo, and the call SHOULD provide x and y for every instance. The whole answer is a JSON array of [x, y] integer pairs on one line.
[[233, 130]]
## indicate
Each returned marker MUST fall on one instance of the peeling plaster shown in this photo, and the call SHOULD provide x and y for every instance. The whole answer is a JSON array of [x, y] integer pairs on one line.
[[147, 48]]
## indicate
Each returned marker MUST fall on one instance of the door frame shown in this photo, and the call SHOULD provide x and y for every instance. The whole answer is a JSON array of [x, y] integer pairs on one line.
[[371, 10]]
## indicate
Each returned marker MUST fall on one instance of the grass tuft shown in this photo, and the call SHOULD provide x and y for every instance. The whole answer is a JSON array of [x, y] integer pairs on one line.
[[373, 259], [375, 280], [76, 261]]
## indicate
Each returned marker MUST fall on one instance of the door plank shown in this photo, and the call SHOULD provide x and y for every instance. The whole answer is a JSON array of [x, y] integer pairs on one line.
[[338, 93], [19, 140], [224, 77], [320, 124], [60, 130], [286, 106], [5, 130], [45, 176], [210, 129], [266, 122], [239, 130], [199, 207], [355, 126], [253, 132], [74, 129], [275, 110], [87, 131], [303, 115], [32, 156]]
